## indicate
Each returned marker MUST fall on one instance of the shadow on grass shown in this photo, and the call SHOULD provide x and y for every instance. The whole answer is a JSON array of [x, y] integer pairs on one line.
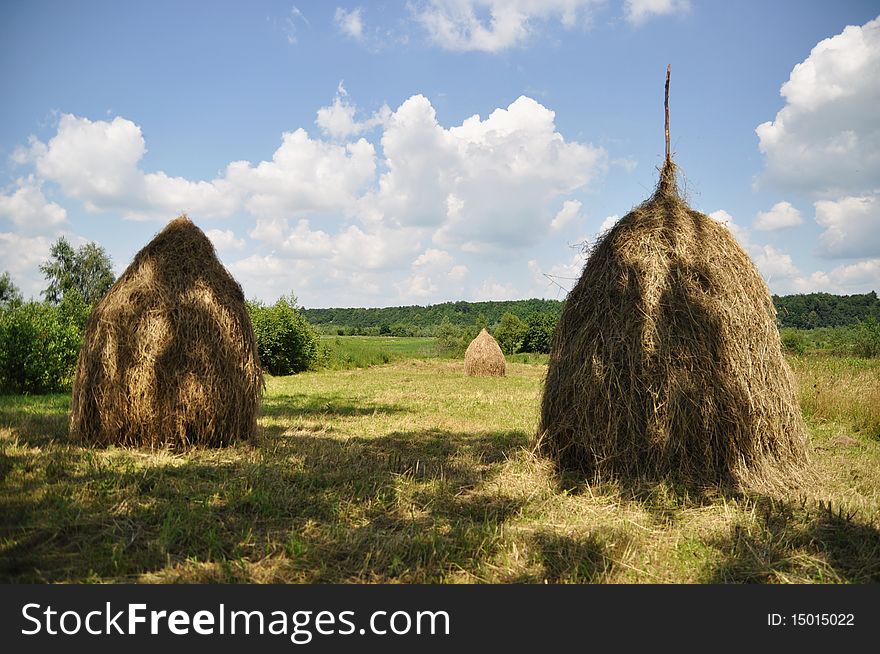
[[405, 506], [774, 539], [794, 538], [303, 405], [569, 558]]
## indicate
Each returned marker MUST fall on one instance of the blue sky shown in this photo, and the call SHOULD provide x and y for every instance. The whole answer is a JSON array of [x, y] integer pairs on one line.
[[384, 153]]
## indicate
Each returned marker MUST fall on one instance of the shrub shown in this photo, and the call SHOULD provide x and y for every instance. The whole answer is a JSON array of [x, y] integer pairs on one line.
[[793, 340], [867, 338], [286, 342], [39, 345]]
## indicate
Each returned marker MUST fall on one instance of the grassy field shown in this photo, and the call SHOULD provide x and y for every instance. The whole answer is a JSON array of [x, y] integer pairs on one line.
[[412, 472], [348, 352]]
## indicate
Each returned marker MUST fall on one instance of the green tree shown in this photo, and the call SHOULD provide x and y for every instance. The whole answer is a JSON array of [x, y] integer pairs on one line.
[[87, 270], [539, 333], [510, 333], [9, 293]]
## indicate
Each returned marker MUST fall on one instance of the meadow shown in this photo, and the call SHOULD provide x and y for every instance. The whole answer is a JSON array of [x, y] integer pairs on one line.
[[409, 471]]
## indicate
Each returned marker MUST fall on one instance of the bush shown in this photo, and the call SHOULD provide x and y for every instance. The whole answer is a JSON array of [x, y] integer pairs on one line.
[[39, 345], [867, 338], [793, 340], [286, 342], [540, 328]]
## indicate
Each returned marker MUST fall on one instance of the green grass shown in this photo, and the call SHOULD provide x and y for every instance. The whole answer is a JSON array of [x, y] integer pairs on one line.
[[347, 352], [413, 472]]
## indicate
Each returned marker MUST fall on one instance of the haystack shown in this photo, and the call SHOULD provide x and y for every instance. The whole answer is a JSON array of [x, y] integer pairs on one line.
[[666, 362], [484, 357], [168, 356]]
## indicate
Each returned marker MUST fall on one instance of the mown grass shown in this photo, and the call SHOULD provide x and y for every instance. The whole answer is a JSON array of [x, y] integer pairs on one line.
[[412, 472]]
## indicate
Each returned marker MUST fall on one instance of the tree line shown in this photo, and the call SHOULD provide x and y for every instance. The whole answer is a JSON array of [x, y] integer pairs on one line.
[[802, 311]]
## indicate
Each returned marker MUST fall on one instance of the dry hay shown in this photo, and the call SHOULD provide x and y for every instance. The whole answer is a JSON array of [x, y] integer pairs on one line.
[[169, 356], [666, 362], [484, 358]]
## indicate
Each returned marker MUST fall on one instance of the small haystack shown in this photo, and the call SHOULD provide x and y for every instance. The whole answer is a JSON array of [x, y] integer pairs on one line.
[[484, 358], [169, 356], [666, 362]]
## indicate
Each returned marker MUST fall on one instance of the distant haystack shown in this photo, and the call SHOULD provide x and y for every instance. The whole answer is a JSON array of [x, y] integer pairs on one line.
[[484, 358], [169, 356]]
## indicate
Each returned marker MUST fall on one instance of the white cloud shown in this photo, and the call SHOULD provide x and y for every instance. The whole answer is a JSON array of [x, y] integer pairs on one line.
[[350, 22], [857, 277], [773, 263], [94, 161], [852, 226], [780, 216], [484, 184], [224, 239], [608, 223], [567, 213], [740, 233], [493, 25], [30, 211], [433, 258], [826, 138], [629, 164], [291, 23], [305, 175], [458, 273], [637, 12], [300, 241], [21, 256], [338, 120], [492, 290], [97, 162]]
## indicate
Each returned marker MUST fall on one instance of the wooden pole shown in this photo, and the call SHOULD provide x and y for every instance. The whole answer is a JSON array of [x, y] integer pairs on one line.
[[666, 106]]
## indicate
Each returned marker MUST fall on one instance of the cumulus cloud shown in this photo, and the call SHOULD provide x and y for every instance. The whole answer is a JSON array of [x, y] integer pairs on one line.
[[493, 25], [488, 185], [780, 216], [608, 223], [21, 256], [97, 162], [224, 239], [567, 213], [350, 23], [483, 184], [852, 226], [491, 290], [826, 139], [338, 119], [637, 12], [304, 175], [29, 210], [773, 263]]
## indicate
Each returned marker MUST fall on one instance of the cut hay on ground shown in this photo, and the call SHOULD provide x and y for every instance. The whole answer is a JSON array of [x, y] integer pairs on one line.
[[169, 356], [484, 358], [666, 362]]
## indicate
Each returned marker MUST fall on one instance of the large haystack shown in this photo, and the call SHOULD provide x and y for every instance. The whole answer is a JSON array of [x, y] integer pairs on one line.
[[169, 356], [666, 362], [484, 358]]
